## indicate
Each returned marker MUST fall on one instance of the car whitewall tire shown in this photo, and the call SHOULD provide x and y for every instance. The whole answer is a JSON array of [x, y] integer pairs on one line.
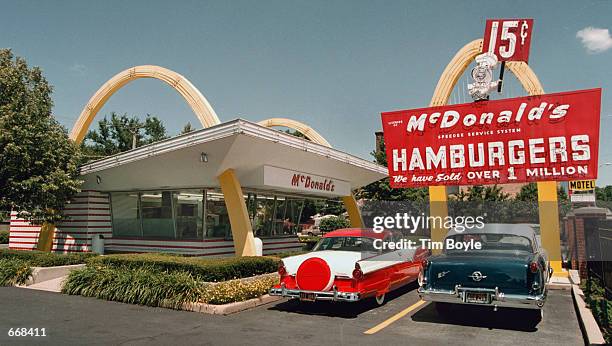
[[380, 300]]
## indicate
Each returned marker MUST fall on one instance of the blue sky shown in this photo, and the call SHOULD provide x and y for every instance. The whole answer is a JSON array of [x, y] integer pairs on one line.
[[332, 64]]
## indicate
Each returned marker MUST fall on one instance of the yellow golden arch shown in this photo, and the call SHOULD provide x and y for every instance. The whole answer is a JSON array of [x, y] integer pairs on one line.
[[547, 191], [242, 231], [198, 103]]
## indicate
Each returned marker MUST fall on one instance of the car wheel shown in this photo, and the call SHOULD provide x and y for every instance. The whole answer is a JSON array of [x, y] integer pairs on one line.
[[535, 316], [310, 234], [380, 300]]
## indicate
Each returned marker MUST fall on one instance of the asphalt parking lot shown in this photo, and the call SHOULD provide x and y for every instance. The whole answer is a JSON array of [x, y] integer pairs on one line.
[[402, 320]]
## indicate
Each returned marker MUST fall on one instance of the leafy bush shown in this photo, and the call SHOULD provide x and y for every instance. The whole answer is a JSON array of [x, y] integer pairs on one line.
[[333, 223], [237, 291], [4, 237], [600, 306], [212, 270], [14, 271], [309, 242], [147, 286], [144, 286], [45, 259], [290, 253]]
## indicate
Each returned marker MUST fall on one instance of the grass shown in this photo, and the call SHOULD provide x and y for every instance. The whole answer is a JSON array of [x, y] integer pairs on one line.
[[14, 272], [134, 286], [148, 286]]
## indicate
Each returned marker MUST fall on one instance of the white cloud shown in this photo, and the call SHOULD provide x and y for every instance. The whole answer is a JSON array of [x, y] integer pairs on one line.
[[595, 40], [78, 68]]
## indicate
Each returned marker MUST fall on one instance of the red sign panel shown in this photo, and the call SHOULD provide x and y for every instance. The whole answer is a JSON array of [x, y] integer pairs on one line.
[[508, 39], [524, 139]]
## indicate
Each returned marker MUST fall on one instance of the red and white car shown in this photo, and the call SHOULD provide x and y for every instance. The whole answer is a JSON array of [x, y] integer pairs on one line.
[[346, 266]]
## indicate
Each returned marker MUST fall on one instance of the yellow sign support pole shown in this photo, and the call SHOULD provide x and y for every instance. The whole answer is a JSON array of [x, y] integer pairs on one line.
[[438, 207], [549, 224], [547, 191]]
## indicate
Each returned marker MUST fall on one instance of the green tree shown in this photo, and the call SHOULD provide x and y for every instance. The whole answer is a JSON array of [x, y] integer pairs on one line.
[[295, 133], [187, 128], [492, 193], [529, 193], [38, 162], [382, 191], [604, 194], [333, 223], [117, 134]]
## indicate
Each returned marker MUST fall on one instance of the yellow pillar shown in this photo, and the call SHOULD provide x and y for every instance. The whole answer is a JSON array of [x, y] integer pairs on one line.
[[353, 211], [438, 208], [45, 237], [242, 232], [549, 224]]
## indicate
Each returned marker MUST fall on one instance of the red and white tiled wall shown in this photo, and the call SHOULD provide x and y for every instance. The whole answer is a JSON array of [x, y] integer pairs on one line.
[[88, 213]]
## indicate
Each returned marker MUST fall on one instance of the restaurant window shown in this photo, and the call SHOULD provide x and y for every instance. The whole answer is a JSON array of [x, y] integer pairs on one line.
[[157, 220], [189, 212], [274, 215], [126, 215], [217, 218], [159, 214]]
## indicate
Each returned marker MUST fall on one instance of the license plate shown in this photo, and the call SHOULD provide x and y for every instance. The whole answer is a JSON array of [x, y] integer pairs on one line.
[[477, 297], [307, 296]]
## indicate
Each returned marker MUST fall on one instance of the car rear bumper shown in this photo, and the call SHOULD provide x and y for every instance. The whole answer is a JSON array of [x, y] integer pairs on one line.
[[497, 298], [333, 295]]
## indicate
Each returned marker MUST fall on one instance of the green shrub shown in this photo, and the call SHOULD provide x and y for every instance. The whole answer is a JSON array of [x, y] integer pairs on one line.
[[14, 271], [146, 286], [601, 307], [309, 242], [142, 286], [45, 259], [209, 269], [333, 223], [4, 237], [290, 253], [237, 291]]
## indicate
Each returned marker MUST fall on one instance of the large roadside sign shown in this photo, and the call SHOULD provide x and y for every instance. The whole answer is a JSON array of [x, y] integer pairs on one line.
[[524, 139], [508, 39]]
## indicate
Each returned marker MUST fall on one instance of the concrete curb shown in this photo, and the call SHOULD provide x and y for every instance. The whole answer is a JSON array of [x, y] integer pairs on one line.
[[41, 274], [230, 308], [589, 326]]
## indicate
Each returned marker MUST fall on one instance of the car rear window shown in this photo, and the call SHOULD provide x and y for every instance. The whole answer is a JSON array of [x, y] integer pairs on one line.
[[492, 241], [345, 244]]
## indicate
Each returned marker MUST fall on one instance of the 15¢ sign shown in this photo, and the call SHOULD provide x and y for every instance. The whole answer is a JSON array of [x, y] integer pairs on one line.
[[508, 39]]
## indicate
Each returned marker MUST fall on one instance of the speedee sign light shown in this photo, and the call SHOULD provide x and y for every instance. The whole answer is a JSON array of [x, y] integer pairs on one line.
[[524, 139]]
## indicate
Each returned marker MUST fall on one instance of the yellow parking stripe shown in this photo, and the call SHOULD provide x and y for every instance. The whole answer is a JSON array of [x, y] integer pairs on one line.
[[394, 318]]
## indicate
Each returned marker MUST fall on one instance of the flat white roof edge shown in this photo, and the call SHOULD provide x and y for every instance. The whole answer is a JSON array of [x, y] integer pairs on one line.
[[238, 126]]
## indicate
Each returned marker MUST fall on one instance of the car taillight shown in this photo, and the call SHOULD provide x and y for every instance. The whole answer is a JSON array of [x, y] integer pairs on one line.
[[357, 273], [533, 267], [282, 271], [422, 279]]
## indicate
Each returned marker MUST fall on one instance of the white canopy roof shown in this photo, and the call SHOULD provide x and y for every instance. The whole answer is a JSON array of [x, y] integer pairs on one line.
[[241, 145]]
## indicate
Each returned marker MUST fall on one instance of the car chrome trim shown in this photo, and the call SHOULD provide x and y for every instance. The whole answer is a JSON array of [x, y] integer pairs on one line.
[[333, 295], [498, 298]]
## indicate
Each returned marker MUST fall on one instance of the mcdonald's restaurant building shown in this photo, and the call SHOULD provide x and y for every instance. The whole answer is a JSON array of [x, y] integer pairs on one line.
[[210, 192]]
